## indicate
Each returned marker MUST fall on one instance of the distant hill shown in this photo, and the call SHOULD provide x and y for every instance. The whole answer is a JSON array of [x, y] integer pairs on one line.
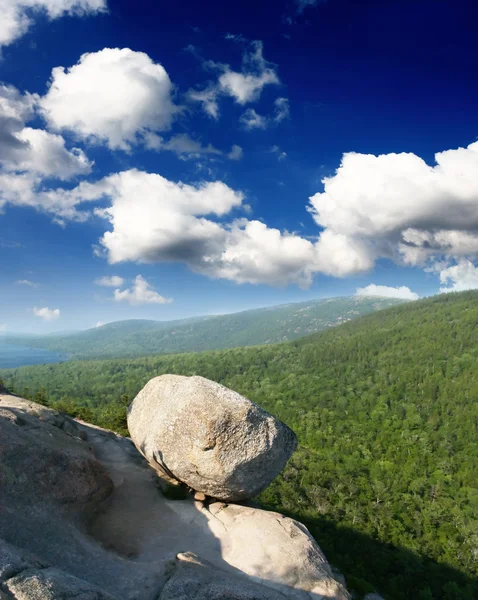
[[131, 338]]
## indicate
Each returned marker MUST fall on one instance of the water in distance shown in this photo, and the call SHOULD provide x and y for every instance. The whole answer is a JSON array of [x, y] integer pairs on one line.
[[20, 356]]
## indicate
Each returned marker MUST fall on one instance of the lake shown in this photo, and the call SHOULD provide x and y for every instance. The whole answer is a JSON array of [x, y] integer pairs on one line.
[[20, 356]]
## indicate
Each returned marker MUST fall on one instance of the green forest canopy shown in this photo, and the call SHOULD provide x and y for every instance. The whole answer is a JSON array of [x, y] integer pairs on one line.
[[386, 411]]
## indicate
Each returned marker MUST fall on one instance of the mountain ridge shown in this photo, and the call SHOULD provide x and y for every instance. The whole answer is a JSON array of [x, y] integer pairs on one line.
[[272, 324]]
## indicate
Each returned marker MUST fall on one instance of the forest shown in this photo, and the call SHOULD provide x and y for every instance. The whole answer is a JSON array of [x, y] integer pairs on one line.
[[386, 411]]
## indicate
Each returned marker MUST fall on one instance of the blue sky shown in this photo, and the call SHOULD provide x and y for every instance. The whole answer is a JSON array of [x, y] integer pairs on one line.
[[162, 160]]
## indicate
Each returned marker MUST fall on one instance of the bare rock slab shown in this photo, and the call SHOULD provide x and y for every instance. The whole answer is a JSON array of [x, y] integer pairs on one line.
[[195, 579], [214, 440]]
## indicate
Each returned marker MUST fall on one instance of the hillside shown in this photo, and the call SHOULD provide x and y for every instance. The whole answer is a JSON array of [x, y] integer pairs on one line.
[[248, 328], [386, 411]]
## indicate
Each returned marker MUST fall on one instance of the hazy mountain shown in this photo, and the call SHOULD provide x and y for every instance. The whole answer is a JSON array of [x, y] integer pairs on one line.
[[248, 328]]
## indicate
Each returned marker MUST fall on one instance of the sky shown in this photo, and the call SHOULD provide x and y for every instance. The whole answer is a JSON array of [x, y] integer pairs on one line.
[[169, 159]]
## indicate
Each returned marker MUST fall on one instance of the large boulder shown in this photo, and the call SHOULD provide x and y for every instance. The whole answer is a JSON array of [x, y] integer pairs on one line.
[[214, 440]]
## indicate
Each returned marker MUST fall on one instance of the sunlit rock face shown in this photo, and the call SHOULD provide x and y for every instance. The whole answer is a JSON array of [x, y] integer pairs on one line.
[[209, 437]]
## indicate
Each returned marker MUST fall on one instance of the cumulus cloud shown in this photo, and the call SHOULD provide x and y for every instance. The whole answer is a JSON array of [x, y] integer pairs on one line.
[[254, 253], [236, 153], [47, 314], [16, 14], [403, 292], [168, 222], [397, 206], [15, 110], [114, 96], [110, 281], [389, 206], [45, 154], [152, 219], [24, 149], [140, 293], [460, 277], [26, 190], [244, 86]]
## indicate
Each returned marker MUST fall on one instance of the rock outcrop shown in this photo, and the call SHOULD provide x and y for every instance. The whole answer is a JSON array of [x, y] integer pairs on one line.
[[81, 517], [214, 440]]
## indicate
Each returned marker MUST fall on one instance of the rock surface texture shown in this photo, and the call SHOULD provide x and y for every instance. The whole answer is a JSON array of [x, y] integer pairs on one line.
[[214, 440], [81, 517]]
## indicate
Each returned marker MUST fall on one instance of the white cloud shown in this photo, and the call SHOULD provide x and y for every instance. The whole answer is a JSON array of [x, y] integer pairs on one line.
[[3, 327], [247, 85], [208, 98], [15, 110], [243, 86], [115, 96], [16, 14], [45, 154], [47, 314], [390, 206], [23, 149], [460, 277], [152, 219], [140, 293], [26, 190], [282, 110], [27, 283], [99, 324], [236, 153], [341, 256], [112, 281], [252, 120], [396, 206], [254, 253], [403, 292], [156, 220]]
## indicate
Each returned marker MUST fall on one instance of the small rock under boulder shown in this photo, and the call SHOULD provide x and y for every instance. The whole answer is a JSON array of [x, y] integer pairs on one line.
[[214, 440]]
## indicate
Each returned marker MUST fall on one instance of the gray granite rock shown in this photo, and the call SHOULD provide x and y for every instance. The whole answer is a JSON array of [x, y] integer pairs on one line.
[[53, 584], [209, 437], [195, 579]]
